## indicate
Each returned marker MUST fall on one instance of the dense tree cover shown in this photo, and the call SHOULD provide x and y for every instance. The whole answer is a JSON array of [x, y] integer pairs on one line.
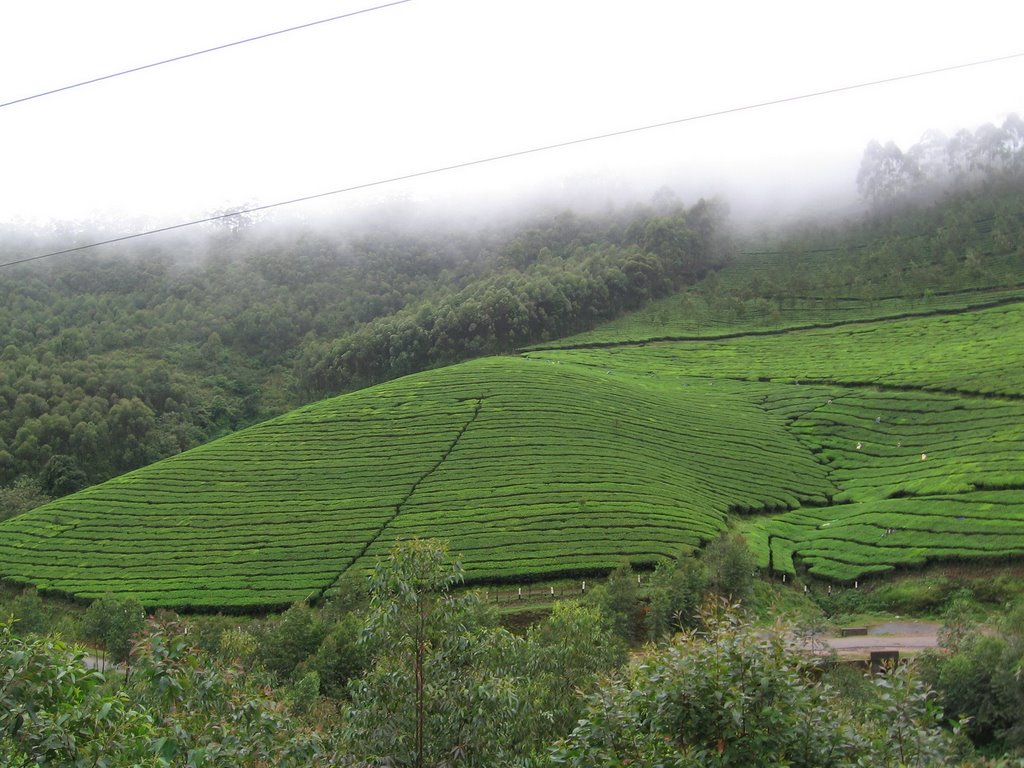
[[553, 290], [980, 673], [108, 363], [937, 163], [730, 695], [439, 682]]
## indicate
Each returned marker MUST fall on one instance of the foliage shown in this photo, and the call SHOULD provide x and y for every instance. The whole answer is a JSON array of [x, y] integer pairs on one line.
[[21, 496], [432, 691], [564, 656], [62, 476], [113, 623], [553, 296], [979, 678], [31, 613], [618, 601], [730, 567], [734, 696], [677, 590], [117, 360], [935, 164], [290, 639], [339, 658], [214, 715], [446, 686], [56, 712]]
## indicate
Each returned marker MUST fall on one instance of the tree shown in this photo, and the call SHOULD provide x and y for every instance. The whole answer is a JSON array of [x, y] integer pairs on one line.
[[676, 592], [730, 566], [340, 657], [211, 714], [415, 626], [565, 655], [290, 639], [31, 614], [885, 174], [618, 600], [62, 476], [734, 696], [446, 685], [981, 676], [56, 712], [23, 495], [113, 623]]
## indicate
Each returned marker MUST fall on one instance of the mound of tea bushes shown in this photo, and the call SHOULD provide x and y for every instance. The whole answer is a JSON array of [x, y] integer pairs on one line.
[[528, 468]]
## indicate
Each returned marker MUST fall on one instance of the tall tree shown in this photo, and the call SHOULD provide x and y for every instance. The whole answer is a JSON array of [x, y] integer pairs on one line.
[[885, 174]]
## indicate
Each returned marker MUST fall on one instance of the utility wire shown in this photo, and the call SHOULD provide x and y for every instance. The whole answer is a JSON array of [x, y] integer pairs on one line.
[[200, 53], [519, 153]]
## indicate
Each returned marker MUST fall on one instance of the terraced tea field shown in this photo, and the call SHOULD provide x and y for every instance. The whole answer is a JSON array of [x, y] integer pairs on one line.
[[923, 476], [920, 423], [528, 469], [691, 316], [975, 352], [846, 451]]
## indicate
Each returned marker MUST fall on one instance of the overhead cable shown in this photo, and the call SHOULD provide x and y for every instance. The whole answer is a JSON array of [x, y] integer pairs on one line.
[[200, 53]]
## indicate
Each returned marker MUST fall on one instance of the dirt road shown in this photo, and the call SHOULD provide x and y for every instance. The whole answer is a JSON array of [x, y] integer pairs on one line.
[[903, 636]]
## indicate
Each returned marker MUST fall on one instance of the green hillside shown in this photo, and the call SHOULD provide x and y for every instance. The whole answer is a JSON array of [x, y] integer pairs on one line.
[[848, 450], [528, 468], [919, 422], [971, 352], [693, 316], [852, 430]]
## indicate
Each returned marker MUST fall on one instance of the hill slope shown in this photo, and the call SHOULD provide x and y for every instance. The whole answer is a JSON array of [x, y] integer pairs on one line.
[[528, 468], [919, 421], [852, 449]]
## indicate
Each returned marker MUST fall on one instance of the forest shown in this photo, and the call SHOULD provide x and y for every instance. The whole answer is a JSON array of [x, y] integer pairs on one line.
[[421, 673], [111, 362]]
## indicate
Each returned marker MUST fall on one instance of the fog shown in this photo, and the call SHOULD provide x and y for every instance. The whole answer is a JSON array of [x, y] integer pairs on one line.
[[408, 90]]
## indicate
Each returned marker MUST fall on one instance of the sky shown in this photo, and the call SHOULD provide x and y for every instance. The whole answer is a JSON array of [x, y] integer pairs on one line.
[[433, 83]]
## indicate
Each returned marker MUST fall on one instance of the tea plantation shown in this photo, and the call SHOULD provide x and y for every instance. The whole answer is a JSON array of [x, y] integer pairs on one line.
[[845, 451], [528, 469], [919, 421]]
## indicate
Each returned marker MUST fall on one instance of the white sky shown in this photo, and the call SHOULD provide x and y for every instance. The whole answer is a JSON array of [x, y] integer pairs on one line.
[[438, 82]]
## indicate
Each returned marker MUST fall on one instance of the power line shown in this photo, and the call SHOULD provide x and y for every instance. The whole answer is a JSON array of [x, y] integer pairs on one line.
[[200, 53], [510, 155]]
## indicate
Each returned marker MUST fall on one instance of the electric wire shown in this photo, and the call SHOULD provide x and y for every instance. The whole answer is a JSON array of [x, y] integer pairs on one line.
[[515, 154], [200, 53]]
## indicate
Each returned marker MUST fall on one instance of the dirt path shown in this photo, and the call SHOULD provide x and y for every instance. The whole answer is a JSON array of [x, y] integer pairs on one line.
[[904, 636]]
